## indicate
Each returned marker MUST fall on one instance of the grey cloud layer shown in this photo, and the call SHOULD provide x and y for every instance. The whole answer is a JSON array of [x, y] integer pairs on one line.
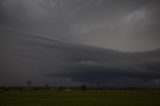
[[43, 60], [122, 25]]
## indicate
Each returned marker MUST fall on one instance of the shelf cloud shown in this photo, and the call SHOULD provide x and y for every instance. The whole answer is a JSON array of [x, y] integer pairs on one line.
[[71, 42]]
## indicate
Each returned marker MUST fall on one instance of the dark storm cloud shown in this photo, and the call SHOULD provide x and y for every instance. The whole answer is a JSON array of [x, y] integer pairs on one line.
[[34, 36], [136, 73], [122, 25], [26, 56]]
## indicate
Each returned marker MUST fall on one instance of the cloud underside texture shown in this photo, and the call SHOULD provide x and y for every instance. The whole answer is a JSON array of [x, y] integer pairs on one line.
[[39, 58]]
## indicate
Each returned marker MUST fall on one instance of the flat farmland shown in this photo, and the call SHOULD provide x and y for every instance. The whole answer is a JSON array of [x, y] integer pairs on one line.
[[80, 98]]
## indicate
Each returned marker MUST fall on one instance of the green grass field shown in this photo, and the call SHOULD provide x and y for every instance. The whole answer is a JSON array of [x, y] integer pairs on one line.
[[80, 98]]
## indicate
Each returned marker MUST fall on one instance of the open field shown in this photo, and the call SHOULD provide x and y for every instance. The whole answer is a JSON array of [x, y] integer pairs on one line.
[[80, 98]]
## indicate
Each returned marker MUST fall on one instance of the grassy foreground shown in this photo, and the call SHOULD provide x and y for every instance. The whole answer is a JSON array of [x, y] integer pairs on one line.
[[80, 98]]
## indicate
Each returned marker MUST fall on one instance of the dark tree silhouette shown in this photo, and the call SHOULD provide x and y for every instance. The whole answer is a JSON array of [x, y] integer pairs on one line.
[[29, 83], [61, 88], [83, 87], [46, 87]]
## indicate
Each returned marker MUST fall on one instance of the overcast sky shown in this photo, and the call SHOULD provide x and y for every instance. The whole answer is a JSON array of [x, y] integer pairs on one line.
[[47, 41], [126, 25]]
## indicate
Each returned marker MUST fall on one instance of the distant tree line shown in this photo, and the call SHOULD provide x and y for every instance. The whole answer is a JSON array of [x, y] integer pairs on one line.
[[82, 87]]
